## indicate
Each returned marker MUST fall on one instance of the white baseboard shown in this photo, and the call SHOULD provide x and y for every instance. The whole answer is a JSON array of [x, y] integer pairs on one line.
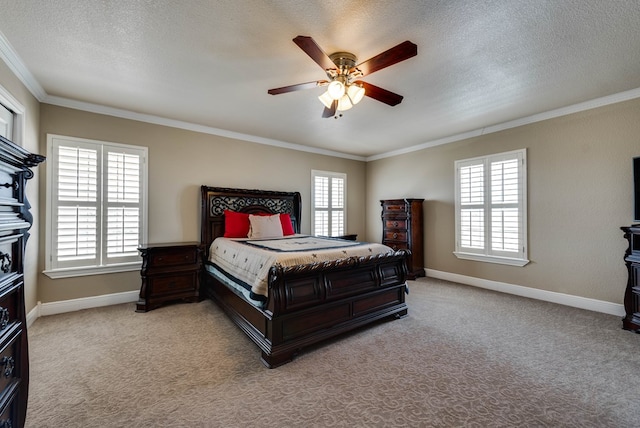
[[52, 308], [533, 293]]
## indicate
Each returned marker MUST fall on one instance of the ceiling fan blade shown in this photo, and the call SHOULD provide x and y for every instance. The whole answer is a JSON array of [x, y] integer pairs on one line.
[[330, 112], [311, 48], [298, 87], [396, 54], [382, 95]]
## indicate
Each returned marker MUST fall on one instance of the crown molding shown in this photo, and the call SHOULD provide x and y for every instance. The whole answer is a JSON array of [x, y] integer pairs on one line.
[[15, 64], [552, 114], [157, 120]]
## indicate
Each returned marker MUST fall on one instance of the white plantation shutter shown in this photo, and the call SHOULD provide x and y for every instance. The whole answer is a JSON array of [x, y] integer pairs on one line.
[[123, 200], [78, 204], [337, 206], [329, 196], [97, 205], [491, 208], [472, 206], [505, 223]]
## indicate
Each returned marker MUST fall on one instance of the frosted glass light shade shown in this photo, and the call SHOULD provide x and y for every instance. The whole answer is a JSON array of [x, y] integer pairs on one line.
[[344, 103], [356, 93], [326, 99], [336, 89]]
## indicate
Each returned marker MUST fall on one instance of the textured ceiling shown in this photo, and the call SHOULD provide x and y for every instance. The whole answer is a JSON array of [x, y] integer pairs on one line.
[[210, 63]]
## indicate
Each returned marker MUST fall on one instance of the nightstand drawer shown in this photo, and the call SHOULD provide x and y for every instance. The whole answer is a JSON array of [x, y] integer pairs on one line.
[[173, 283], [184, 256]]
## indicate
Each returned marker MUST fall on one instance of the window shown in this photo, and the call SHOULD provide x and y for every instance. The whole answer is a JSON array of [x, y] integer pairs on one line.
[[328, 199], [491, 208], [96, 206]]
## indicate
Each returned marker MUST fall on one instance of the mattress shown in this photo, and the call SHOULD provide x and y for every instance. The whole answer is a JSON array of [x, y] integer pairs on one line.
[[246, 262]]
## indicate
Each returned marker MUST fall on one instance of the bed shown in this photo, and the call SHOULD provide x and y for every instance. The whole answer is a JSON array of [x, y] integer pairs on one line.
[[303, 304]]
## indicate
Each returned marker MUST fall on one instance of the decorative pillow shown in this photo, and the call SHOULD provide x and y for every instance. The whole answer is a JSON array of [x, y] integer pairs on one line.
[[287, 226], [265, 226], [236, 225]]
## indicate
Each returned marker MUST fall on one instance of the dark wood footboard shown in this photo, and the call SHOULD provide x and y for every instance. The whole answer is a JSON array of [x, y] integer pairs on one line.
[[314, 302]]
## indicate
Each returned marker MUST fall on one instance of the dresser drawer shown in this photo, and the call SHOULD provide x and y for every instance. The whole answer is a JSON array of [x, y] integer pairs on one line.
[[173, 283], [8, 307], [8, 359], [9, 406], [182, 256], [395, 223], [394, 208], [395, 235], [8, 264]]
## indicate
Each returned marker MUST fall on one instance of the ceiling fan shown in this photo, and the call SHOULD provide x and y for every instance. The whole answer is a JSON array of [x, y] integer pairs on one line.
[[344, 89]]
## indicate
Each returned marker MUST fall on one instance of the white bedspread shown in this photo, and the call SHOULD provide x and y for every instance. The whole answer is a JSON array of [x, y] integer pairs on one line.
[[250, 260]]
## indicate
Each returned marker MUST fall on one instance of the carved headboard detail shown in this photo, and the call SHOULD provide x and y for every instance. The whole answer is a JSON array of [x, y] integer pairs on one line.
[[214, 200]]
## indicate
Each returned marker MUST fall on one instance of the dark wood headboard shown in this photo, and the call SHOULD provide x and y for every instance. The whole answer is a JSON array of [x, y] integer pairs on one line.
[[214, 200]]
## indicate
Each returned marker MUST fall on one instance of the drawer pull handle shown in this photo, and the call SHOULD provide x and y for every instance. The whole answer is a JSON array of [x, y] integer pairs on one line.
[[5, 262], [9, 364], [15, 186], [4, 318], [395, 224], [395, 235]]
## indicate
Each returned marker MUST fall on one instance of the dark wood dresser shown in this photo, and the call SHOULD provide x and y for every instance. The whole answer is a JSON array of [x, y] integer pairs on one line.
[[15, 222], [631, 321], [402, 230], [169, 272]]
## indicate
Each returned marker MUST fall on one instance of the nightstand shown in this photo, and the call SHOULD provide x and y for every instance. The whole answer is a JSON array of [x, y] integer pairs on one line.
[[170, 272]]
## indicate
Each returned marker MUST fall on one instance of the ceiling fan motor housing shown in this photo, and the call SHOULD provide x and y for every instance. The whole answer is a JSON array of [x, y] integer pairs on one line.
[[345, 61]]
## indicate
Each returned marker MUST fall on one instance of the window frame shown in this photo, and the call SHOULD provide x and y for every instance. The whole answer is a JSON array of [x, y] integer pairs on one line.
[[486, 253], [329, 209], [99, 265]]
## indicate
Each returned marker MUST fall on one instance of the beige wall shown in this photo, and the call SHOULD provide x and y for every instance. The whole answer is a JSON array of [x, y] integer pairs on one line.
[[21, 94], [579, 194], [180, 162]]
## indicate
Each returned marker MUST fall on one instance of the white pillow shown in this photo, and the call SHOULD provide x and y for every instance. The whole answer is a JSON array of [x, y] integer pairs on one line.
[[263, 226]]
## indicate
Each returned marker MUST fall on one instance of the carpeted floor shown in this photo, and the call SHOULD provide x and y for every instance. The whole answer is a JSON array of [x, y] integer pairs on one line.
[[464, 357]]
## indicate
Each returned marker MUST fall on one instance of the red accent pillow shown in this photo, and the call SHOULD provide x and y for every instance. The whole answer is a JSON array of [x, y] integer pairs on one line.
[[236, 225], [287, 226]]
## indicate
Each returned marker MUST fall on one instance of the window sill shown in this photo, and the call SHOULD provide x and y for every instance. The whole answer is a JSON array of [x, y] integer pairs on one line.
[[91, 270], [511, 261]]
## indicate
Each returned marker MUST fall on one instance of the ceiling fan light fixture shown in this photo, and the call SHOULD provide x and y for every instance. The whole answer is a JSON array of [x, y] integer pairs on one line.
[[336, 89]]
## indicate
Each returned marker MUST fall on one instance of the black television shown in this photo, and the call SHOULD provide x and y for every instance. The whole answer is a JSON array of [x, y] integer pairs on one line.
[[636, 189]]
